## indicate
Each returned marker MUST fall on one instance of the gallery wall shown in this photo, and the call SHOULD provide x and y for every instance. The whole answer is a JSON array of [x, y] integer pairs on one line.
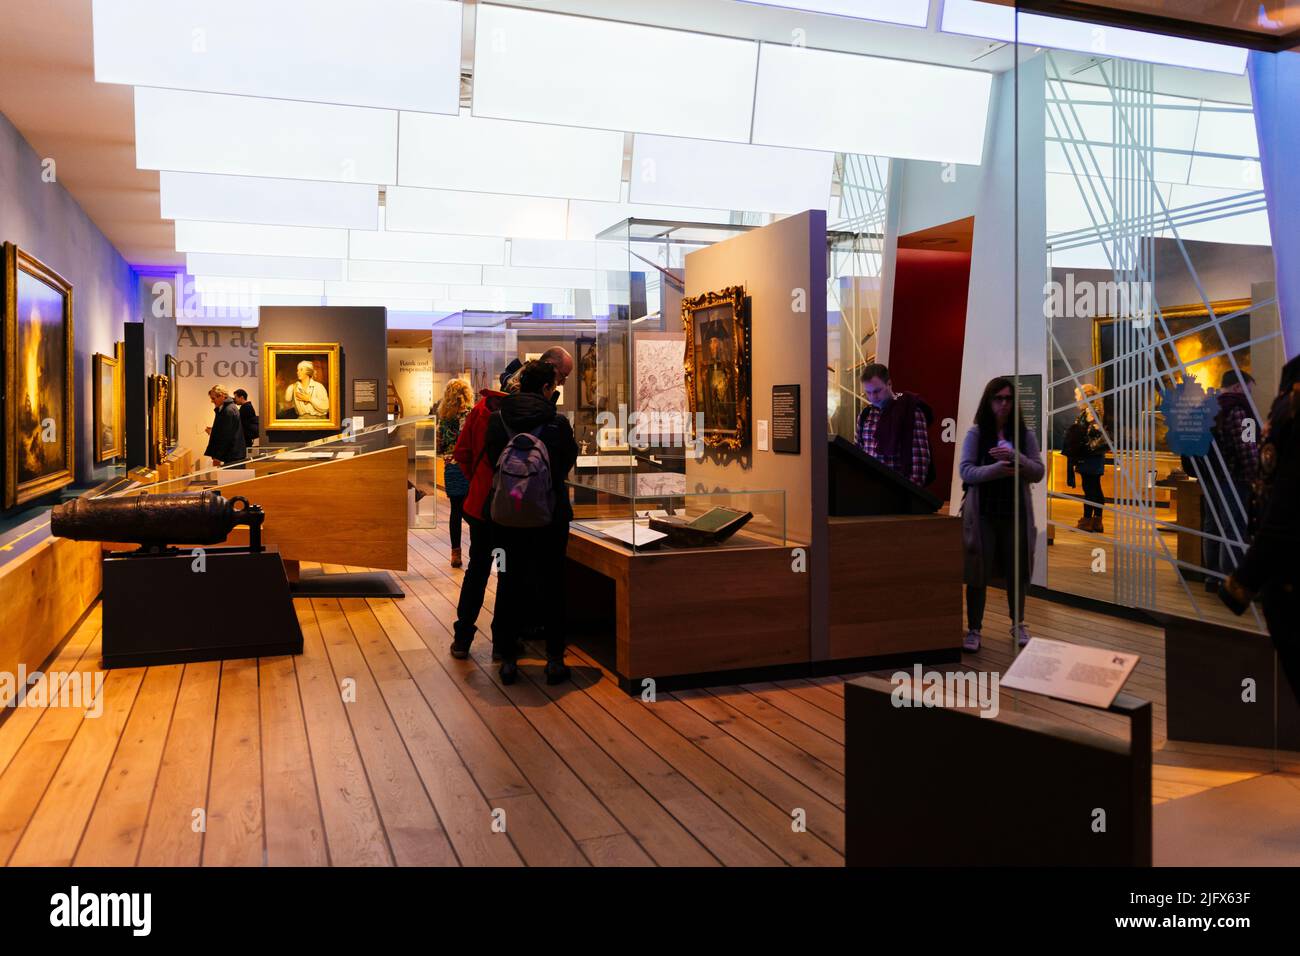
[[362, 333], [42, 218], [207, 356]]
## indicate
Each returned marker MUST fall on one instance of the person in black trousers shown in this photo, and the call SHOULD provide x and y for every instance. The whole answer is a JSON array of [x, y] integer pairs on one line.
[[247, 418], [226, 433], [530, 584]]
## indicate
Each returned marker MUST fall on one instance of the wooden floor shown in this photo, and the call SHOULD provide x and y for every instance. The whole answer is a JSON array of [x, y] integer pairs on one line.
[[375, 747]]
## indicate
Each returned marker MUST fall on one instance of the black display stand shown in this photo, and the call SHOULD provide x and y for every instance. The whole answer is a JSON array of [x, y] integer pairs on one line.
[[159, 610], [861, 485], [352, 584], [933, 786], [135, 377], [1205, 665]]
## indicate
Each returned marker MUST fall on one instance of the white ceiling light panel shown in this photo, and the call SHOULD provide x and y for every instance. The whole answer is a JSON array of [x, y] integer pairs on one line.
[[386, 290], [575, 71], [247, 136], [568, 254], [997, 22], [362, 270], [587, 220], [257, 240], [842, 102], [476, 293], [911, 13], [396, 305], [498, 156], [670, 171], [474, 214], [267, 267], [401, 54], [424, 247], [253, 286], [279, 202]]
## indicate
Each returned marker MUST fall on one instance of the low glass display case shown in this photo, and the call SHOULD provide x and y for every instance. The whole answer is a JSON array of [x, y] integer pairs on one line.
[[659, 511]]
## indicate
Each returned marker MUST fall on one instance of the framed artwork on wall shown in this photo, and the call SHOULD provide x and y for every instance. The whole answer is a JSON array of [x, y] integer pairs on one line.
[[718, 367], [173, 401], [300, 386], [159, 395], [39, 411], [659, 385], [587, 366], [108, 408]]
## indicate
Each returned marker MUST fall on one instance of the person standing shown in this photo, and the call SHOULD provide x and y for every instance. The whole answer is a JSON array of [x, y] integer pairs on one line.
[[478, 468], [1271, 566], [894, 428], [452, 412], [999, 461], [1227, 488], [226, 433], [247, 418], [1085, 454], [534, 450]]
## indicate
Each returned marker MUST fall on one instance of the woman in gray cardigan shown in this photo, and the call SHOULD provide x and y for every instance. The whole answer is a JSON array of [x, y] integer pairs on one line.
[[989, 477]]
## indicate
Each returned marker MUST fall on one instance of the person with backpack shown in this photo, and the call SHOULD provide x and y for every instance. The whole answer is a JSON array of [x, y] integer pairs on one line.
[[1085, 454], [894, 428], [529, 510]]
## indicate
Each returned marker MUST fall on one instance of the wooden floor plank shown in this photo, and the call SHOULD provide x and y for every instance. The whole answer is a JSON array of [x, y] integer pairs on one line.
[[173, 834], [55, 829], [353, 833], [236, 834], [295, 834], [414, 831], [116, 827]]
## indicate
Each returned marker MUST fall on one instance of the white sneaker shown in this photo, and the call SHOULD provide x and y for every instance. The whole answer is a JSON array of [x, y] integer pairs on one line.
[[971, 642], [1021, 634]]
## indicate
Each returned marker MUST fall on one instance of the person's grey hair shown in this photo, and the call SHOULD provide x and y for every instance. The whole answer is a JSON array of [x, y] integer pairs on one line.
[[220, 391], [310, 367]]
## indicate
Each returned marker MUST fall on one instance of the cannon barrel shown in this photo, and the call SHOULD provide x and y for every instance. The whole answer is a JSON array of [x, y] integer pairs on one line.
[[203, 517]]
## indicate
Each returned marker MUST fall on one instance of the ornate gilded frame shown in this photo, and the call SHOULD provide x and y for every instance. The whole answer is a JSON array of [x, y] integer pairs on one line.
[[270, 401], [15, 492], [733, 299], [170, 367], [99, 364], [160, 389]]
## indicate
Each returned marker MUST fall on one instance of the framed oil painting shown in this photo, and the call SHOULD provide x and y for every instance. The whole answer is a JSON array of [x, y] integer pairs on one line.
[[718, 367], [1192, 340], [588, 371], [159, 396], [39, 411], [300, 386], [173, 401], [108, 408]]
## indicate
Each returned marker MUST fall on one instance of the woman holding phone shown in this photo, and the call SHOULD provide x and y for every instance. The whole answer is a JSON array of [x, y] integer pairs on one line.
[[999, 461]]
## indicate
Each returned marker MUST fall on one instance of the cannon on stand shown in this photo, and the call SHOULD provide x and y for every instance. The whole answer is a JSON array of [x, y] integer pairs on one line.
[[176, 599]]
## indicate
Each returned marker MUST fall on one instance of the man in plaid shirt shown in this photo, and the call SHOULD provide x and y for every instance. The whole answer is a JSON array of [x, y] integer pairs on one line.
[[1226, 489], [894, 428]]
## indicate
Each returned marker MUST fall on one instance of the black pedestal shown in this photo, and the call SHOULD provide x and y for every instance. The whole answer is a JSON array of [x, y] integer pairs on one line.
[[352, 584], [161, 609]]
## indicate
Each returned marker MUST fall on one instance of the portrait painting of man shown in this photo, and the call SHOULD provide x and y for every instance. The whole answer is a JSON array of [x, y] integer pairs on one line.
[[717, 366], [301, 388]]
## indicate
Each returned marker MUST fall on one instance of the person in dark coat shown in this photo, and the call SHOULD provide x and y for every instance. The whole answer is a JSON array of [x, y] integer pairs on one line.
[[247, 418], [226, 433], [1271, 568], [530, 585]]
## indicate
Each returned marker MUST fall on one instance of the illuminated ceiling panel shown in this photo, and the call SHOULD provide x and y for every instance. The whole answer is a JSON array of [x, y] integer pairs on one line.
[[279, 202], [474, 214]]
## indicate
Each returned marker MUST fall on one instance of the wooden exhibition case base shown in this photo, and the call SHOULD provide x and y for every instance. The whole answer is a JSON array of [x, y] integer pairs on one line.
[[160, 609]]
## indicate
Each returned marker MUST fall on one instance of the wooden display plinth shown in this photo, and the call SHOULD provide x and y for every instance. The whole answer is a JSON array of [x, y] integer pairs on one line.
[[698, 611], [895, 587]]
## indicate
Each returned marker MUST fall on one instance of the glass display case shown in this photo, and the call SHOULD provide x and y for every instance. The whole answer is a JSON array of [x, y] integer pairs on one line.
[[657, 511]]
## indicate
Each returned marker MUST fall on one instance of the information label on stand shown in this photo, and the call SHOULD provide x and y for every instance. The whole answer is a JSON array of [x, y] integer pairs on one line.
[[1084, 675], [365, 394], [1030, 398], [785, 419]]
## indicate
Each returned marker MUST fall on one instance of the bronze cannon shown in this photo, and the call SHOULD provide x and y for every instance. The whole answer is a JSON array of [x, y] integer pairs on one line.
[[154, 521]]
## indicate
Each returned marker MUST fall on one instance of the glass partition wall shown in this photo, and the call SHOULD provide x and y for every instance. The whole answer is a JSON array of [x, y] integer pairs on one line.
[[1142, 220]]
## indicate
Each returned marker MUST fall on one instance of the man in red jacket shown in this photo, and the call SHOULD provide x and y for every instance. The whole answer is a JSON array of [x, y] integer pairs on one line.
[[472, 458]]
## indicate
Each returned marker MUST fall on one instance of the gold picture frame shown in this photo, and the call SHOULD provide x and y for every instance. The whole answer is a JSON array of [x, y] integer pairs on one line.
[[717, 327], [282, 403], [170, 366], [39, 439], [159, 395], [109, 441]]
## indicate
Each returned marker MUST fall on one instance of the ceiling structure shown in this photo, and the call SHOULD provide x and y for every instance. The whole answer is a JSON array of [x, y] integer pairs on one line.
[[395, 203]]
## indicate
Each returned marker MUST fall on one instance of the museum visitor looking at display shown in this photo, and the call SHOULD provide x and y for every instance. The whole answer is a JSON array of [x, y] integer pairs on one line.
[[226, 433], [894, 427]]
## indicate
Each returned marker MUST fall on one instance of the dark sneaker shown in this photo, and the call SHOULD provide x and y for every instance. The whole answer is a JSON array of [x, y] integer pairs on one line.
[[509, 672], [557, 672], [971, 642], [460, 650]]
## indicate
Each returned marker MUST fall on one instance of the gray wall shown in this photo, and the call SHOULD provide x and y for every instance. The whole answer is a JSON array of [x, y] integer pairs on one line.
[[362, 331], [44, 220]]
